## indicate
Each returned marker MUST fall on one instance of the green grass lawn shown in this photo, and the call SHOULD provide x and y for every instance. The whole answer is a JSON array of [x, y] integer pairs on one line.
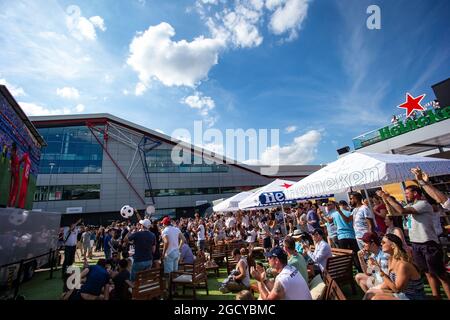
[[43, 288]]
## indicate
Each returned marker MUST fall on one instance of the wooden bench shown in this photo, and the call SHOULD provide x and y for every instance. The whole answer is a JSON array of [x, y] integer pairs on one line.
[[149, 285], [332, 290], [340, 267], [193, 276]]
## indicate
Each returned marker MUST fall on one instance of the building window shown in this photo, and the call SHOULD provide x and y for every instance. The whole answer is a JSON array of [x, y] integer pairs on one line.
[[195, 191], [160, 160], [70, 150], [72, 192]]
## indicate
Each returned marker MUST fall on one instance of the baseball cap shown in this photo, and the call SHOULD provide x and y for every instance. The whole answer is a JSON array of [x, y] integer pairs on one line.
[[369, 237], [146, 223], [166, 221], [276, 252]]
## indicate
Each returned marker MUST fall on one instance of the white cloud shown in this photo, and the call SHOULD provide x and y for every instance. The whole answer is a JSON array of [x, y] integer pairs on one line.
[[33, 109], [238, 26], [197, 101], [290, 129], [160, 131], [210, 1], [153, 55], [301, 151], [68, 93], [15, 91], [273, 4], [288, 17], [98, 22], [204, 104], [80, 108], [81, 27], [140, 89]]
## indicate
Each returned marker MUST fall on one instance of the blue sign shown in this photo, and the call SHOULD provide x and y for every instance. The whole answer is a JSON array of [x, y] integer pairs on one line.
[[271, 197]]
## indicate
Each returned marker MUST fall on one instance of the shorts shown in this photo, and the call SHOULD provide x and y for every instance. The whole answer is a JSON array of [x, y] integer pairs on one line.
[[201, 244], [429, 258], [139, 266], [267, 243], [171, 261]]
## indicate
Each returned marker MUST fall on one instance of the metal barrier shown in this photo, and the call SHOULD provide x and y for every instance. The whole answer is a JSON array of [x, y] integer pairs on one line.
[[16, 284]]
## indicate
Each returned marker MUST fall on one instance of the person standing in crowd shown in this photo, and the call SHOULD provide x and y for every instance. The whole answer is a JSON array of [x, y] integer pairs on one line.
[[86, 242], [331, 227], [427, 252], [379, 209], [173, 239], [70, 235], [370, 252], [294, 259], [144, 246], [288, 284], [312, 218], [391, 227], [157, 254], [201, 236], [321, 252], [403, 280], [363, 218], [344, 224], [107, 244]]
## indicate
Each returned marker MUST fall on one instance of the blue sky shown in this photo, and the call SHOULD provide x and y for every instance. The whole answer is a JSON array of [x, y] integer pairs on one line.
[[311, 69]]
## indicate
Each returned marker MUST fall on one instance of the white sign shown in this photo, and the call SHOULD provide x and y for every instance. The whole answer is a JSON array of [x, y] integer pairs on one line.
[[74, 210]]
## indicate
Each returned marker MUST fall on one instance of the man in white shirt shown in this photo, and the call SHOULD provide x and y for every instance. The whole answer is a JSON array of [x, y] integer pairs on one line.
[[173, 240], [363, 218], [321, 252], [201, 237], [288, 285], [230, 223], [70, 245]]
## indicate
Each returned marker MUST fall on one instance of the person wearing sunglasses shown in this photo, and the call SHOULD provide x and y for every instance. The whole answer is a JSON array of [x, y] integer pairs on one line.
[[403, 280]]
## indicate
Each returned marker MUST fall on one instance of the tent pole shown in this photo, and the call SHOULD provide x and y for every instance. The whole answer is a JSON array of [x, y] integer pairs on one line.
[[284, 220]]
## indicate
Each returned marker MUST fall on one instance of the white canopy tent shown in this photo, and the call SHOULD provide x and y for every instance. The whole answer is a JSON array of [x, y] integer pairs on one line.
[[364, 170], [272, 194], [231, 204]]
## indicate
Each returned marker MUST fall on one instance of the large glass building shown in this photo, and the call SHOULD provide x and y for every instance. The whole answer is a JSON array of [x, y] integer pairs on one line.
[[95, 164]]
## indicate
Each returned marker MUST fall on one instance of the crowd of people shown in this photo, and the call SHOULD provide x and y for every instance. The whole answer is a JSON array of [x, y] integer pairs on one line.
[[393, 245]]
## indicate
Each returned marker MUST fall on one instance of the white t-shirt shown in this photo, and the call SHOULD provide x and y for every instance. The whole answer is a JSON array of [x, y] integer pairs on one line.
[[72, 238], [201, 232], [172, 234], [230, 222], [251, 236], [422, 223], [245, 222], [359, 220], [295, 287]]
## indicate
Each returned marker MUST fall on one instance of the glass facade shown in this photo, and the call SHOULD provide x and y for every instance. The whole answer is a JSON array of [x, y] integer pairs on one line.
[[70, 192], [71, 150], [195, 191], [160, 161]]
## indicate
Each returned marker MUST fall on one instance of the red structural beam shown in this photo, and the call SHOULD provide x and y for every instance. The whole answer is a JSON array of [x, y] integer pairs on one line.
[[90, 125]]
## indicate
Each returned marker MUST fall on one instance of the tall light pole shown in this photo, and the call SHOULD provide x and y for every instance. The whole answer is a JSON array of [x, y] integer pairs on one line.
[[51, 164]]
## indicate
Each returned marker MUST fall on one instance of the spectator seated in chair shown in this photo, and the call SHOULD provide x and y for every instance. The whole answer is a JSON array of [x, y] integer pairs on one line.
[[239, 278]]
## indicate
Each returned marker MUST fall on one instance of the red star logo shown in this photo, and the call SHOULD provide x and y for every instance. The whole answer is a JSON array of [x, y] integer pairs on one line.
[[286, 185], [412, 104]]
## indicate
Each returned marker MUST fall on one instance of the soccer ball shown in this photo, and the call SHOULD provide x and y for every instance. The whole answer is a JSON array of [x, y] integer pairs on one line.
[[17, 218], [126, 212]]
